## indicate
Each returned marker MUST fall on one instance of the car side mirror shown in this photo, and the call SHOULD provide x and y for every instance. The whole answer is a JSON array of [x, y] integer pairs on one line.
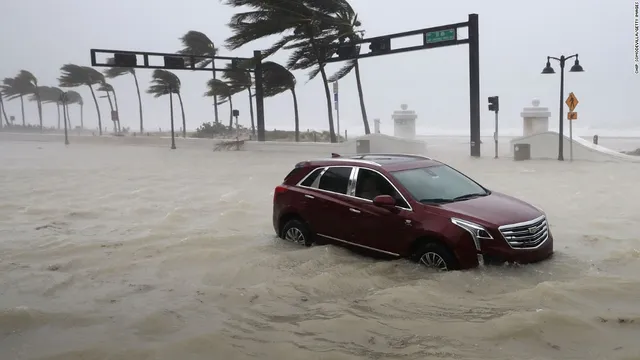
[[384, 201]]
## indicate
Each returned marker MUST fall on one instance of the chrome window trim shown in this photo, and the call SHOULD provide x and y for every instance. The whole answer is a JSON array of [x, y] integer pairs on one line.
[[316, 182], [359, 245], [387, 179]]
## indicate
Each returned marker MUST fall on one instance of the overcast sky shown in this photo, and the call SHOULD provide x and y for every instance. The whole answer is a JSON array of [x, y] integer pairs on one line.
[[515, 39]]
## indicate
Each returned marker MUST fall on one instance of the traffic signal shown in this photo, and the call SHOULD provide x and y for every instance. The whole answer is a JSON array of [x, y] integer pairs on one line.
[[125, 60], [494, 103], [381, 45], [174, 62], [347, 51]]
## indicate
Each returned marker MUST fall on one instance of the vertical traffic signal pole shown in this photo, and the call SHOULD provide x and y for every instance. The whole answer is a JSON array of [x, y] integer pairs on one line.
[[257, 55], [474, 85], [495, 135], [173, 134]]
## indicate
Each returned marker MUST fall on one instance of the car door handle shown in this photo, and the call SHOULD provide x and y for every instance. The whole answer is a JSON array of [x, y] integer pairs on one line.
[[309, 197], [354, 210]]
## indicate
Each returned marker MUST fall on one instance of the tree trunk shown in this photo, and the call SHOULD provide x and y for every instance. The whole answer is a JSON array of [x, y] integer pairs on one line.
[[327, 92], [184, 121], [58, 106], [93, 94], [253, 126], [82, 116], [230, 114], [215, 97], [115, 100], [363, 109], [115, 128], [68, 116], [22, 108], [37, 93], [295, 111], [135, 78], [4, 112]]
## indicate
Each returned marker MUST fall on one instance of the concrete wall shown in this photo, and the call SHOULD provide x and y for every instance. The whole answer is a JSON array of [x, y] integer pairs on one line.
[[379, 143], [545, 146]]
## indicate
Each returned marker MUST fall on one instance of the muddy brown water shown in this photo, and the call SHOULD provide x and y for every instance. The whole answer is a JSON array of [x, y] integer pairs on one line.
[[146, 253]]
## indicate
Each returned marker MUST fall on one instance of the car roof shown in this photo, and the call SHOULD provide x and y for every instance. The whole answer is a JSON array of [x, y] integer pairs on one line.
[[387, 161]]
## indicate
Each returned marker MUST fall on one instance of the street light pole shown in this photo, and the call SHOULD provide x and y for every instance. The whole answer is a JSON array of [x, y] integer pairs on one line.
[[549, 70]]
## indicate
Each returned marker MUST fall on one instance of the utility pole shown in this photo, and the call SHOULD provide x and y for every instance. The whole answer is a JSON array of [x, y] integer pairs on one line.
[[494, 105]]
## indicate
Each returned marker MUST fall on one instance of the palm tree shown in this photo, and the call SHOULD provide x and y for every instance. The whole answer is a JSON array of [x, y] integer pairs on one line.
[[108, 89], [348, 30], [310, 27], [218, 88], [4, 113], [197, 43], [74, 76], [240, 79], [49, 95], [28, 78], [276, 80], [118, 71], [17, 87], [75, 98], [165, 82]]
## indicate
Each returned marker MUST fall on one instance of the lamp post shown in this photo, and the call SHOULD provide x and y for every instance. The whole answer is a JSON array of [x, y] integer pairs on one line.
[[549, 70]]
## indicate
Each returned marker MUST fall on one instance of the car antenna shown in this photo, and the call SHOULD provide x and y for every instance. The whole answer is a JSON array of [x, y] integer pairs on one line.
[[334, 155]]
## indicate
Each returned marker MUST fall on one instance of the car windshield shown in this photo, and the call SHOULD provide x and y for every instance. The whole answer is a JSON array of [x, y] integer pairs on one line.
[[438, 184]]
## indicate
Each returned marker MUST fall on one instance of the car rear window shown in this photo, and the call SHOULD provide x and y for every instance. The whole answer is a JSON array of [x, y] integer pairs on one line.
[[312, 177]]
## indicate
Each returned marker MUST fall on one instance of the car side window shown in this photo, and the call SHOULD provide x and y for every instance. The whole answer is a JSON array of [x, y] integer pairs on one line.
[[312, 177], [336, 179], [371, 184]]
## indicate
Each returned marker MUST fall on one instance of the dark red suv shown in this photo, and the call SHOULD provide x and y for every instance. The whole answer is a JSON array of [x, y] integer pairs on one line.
[[407, 206]]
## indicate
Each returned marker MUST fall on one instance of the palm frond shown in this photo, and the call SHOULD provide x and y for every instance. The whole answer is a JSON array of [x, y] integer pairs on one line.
[[163, 82]]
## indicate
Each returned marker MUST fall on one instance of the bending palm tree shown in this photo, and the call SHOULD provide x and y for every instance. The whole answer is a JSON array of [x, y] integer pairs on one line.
[[310, 26], [348, 29], [118, 71], [75, 98], [108, 89], [276, 80], [241, 80], [14, 88], [4, 113], [219, 88], [49, 95], [197, 43], [166, 83], [29, 78], [74, 76]]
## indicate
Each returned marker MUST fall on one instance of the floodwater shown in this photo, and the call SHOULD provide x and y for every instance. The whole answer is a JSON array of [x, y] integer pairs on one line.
[[146, 253]]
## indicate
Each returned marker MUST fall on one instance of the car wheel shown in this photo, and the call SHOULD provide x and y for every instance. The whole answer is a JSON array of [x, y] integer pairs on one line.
[[436, 256], [297, 232]]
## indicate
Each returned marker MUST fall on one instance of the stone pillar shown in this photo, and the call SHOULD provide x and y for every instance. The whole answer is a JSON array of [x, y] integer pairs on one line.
[[404, 123], [376, 126], [535, 119]]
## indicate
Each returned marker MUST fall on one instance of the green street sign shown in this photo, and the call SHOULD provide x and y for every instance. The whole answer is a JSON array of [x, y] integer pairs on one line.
[[439, 36]]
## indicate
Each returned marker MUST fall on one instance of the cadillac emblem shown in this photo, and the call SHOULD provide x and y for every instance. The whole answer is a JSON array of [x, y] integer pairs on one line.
[[532, 230]]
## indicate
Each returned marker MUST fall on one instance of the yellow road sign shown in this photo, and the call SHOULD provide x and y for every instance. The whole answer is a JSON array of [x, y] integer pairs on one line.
[[572, 101], [572, 115]]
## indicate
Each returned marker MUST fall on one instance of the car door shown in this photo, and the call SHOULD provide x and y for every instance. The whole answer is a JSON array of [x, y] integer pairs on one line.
[[329, 203], [385, 230]]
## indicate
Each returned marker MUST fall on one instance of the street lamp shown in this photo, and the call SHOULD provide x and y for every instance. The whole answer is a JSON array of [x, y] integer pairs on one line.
[[549, 70]]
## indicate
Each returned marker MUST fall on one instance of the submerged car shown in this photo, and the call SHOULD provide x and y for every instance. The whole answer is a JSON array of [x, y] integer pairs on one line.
[[408, 206]]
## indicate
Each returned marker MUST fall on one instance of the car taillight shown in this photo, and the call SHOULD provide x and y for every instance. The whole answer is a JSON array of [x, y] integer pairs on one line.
[[279, 190]]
